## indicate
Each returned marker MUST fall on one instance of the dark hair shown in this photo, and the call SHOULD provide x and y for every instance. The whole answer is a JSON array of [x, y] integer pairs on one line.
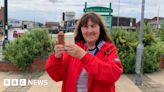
[[95, 18]]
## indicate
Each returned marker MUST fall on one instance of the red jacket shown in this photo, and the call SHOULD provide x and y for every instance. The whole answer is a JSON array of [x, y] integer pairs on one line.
[[103, 70]]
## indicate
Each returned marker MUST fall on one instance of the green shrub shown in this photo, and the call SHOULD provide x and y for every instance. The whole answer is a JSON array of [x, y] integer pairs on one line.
[[23, 50], [127, 42], [152, 55], [161, 34], [148, 36]]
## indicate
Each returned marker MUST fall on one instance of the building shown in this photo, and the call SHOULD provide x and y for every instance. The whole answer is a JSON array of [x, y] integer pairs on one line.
[[70, 24], [28, 24], [23, 24], [14, 23], [146, 20], [127, 23], [156, 23], [52, 26], [1, 19], [68, 16]]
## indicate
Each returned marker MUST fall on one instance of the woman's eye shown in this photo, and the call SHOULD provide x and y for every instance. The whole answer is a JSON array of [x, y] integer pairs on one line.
[[93, 26], [85, 27]]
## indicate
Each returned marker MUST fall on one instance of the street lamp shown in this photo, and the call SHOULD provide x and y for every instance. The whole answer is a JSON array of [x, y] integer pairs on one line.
[[5, 24], [140, 50], [118, 14]]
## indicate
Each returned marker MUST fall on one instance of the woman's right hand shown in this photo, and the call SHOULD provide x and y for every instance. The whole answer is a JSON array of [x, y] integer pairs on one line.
[[59, 45], [59, 49]]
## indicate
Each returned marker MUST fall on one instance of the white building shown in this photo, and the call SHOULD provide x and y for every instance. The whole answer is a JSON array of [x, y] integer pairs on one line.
[[28, 24], [14, 23], [24, 24], [69, 15]]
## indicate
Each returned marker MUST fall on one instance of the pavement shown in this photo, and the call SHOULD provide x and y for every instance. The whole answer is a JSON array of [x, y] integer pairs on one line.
[[153, 82]]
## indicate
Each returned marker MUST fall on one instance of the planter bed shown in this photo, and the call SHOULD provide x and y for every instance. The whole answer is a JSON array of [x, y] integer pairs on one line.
[[37, 65]]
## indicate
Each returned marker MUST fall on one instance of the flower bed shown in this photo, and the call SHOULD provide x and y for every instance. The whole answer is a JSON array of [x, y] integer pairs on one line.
[[37, 65]]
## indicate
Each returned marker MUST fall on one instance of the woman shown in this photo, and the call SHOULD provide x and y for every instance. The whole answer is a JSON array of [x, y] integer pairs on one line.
[[90, 65]]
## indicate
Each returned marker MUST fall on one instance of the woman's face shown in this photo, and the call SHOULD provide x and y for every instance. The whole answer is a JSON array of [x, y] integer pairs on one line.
[[90, 32]]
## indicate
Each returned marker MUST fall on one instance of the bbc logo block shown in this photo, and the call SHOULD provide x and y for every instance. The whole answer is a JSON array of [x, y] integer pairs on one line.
[[6, 82], [24, 82], [14, 82]]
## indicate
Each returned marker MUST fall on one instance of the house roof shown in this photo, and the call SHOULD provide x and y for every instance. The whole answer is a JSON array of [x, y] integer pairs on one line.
[[52, 23]]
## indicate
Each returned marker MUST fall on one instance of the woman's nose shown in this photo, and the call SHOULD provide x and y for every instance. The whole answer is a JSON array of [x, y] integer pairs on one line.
[[90, 29]]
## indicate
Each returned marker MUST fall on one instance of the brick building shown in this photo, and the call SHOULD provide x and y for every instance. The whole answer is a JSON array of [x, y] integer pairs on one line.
[[1, 18], [53, 27], [154, 23], [127, 23]]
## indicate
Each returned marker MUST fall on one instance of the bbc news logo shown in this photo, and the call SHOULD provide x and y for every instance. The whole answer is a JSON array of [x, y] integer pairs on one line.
[[24, 82]]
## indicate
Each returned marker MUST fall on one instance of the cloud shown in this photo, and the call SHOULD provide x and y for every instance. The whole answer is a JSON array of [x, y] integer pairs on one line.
[[52, 9], [55, 1]]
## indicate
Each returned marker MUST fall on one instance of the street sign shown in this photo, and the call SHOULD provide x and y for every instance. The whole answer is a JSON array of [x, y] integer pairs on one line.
[[107, 18], [98, 9]]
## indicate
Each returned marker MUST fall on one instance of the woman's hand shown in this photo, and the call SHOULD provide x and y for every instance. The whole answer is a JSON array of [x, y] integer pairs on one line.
[[59, 49], [75, 51], [59, 45]]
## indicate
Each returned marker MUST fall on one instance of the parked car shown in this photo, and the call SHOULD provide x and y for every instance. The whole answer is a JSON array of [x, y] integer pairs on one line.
[[19, 32]]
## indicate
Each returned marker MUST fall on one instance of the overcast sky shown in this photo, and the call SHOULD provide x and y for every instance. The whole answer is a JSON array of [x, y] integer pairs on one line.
[[51, 10]]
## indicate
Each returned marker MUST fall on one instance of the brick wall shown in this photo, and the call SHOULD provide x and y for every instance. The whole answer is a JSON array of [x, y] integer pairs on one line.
[[1, 13], [37, 65], [1, 17]]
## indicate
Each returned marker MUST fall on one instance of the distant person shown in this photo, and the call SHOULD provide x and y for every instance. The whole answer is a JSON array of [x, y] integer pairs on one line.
[[90, 65], [15, 34], [5, 41]]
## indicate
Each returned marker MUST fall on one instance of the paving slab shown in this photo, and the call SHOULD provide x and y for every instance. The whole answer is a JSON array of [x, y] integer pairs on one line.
[[157, 76], [3, 75], [124, 84], [51, 87]]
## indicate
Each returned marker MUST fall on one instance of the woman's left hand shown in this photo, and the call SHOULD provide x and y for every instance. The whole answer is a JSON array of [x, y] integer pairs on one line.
[[75, 51]]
